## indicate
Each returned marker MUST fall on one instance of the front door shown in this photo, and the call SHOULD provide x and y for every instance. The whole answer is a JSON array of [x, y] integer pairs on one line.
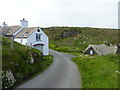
[[91, 52], [39, 46]]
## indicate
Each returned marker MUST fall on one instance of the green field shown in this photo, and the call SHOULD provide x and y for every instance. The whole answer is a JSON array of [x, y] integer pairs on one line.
[[24, 62]]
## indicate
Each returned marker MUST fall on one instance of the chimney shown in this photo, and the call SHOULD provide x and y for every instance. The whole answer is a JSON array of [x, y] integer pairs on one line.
[[4, 24], [23, 23]]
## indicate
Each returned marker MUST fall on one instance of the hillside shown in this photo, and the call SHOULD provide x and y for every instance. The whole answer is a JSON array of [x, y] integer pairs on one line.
[[96, 71], [20, 62], [77, 39]]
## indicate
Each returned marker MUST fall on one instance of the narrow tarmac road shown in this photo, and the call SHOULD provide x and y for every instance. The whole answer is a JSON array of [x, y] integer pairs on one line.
[[63, 73]]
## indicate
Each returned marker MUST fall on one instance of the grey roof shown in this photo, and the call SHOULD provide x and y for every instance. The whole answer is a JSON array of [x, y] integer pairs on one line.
[[113, 49], [5, 30], [10, 30], [102, 49], [0, 30], [25, 32], [13, 29]]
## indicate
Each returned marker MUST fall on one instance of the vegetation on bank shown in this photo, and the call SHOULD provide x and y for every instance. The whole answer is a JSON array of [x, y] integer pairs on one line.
[[20, 62], [98, 71]]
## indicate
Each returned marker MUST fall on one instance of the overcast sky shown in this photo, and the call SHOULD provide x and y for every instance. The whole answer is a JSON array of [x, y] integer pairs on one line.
[[47, 13]]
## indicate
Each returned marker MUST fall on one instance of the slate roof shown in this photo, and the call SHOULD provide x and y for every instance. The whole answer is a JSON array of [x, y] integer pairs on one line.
[[102, 49], [13, 29], [113, 49], [25, 32], [5, 30], [10, 30]]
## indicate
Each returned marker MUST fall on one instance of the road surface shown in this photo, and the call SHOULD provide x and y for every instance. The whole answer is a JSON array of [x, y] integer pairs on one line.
[[62, 73]]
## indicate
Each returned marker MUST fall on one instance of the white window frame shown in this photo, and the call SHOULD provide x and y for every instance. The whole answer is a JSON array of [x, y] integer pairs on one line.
[[38, 37]]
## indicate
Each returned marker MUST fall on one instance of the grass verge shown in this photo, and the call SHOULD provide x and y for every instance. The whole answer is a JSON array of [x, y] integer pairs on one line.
[[98, 71]]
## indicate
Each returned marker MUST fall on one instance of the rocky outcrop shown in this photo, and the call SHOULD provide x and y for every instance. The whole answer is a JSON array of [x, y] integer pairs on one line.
[[70, 33]]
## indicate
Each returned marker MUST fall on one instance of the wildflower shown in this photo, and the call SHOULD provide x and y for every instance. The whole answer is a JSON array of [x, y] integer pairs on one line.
[[118, 72]]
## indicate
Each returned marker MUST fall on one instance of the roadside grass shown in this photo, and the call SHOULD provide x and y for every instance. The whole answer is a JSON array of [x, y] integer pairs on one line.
[[67, 49], [98, 71], [24, 62]]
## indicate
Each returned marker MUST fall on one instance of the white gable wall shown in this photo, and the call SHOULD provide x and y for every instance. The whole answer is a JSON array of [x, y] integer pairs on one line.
[[44, 40], [21, 40]]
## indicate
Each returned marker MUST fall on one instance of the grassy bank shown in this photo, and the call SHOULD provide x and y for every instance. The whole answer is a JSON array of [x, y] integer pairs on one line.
[[20, 62], [98, 71]]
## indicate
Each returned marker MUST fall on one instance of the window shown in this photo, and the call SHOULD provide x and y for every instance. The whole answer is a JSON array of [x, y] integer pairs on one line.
[[38, 37], [21, 40], [24, 34], [10, 31], [38, 30]]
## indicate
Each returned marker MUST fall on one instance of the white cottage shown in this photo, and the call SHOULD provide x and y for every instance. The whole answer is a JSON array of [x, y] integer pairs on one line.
[[34, 37], [31, 36]]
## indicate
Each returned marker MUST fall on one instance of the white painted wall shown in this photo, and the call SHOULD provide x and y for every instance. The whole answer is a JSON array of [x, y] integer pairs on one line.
[[23, 23], [21, 40], [44, 40]]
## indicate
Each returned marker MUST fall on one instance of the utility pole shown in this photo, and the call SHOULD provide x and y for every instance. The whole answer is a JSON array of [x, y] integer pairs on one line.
[[11, 45], [119, 15]]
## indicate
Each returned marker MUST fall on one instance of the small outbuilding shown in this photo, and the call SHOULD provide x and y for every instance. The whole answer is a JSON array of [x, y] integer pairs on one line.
[[100, 49]]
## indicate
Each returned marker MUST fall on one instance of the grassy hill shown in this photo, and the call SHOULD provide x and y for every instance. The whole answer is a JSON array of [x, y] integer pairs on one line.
[[20, 62], [76, 39]]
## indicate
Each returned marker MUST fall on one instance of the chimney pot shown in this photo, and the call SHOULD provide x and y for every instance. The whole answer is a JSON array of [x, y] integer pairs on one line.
[[23, 23], [4, 24]]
